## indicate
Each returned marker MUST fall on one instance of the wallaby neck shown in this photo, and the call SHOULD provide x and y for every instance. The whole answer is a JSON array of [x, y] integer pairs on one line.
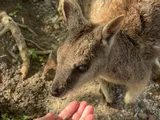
[[125, 61]]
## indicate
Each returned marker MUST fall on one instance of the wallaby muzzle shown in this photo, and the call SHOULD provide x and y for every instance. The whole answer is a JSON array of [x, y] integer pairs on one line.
[[58, 89]]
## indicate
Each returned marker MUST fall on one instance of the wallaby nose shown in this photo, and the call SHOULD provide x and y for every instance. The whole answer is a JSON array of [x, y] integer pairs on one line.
[[57, 92]]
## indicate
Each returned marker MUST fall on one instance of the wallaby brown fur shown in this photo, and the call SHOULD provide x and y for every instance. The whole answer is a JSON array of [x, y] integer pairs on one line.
[[116, 41]]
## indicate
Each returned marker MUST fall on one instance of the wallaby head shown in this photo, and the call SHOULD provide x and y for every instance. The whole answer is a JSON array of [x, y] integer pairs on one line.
[[84, 53]]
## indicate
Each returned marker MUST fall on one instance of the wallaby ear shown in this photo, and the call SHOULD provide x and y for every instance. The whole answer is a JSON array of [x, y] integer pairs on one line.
[[73, 15], [110, 29]]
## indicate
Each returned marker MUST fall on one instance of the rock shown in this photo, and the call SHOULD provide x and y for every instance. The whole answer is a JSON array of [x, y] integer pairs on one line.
[[143, 116], [152, 117], [135, 118], [56, 26], [141, 104]]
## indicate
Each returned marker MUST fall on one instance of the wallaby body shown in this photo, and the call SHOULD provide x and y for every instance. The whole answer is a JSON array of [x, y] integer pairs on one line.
[[105, 44]]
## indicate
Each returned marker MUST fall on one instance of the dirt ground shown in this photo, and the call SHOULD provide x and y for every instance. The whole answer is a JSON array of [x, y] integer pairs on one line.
[[32, 96]]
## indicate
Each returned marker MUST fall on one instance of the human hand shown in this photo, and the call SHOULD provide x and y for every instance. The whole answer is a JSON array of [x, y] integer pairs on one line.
[[74, 111]]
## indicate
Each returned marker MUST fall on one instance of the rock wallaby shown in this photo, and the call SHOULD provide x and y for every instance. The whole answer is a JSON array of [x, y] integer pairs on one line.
[[115, 41]]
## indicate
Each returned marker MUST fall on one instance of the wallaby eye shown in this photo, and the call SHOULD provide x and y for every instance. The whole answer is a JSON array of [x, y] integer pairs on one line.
[[82, 68]]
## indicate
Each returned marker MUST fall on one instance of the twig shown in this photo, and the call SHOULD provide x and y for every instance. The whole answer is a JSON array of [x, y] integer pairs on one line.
[[1, 26], [13, 55], [25, 26], [3, 56], [31, 41], [3, 31], [9, 24], [46, 52]]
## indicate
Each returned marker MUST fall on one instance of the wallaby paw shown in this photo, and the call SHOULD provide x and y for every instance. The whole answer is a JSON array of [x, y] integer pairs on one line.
[[108, 101], [129, 100], [48, 66]]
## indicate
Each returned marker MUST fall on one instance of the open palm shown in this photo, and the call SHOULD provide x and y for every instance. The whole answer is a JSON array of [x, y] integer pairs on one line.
[[74, 111]]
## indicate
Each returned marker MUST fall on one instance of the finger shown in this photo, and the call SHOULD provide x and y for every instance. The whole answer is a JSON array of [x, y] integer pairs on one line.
[[77, 115], [69, 110], [82, 106], [49, 116], [90, 117], [88, 110]]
